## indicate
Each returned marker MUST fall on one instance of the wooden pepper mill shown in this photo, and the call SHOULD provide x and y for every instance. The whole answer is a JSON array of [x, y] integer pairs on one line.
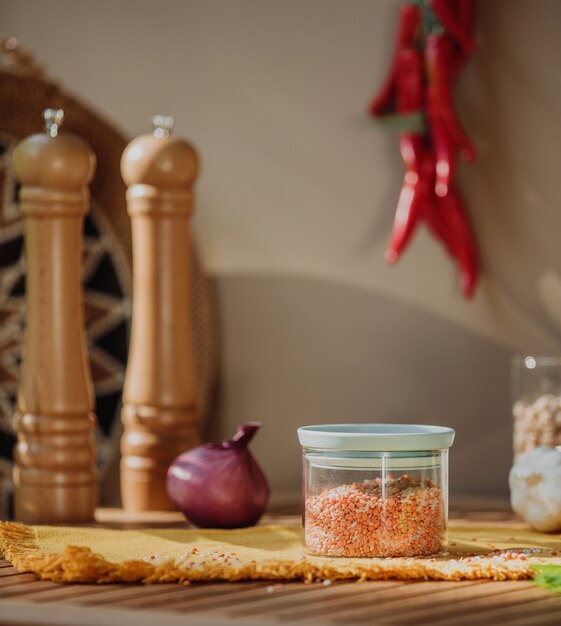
[[160, 409], [54, 475]]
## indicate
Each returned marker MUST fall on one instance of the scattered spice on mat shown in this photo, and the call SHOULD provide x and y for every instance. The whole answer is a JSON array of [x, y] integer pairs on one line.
[[500, 556], [397, 517], [186, 560]]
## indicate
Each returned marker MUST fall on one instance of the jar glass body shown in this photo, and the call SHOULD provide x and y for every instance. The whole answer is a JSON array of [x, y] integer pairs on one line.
[[536, 403], [375, 504]]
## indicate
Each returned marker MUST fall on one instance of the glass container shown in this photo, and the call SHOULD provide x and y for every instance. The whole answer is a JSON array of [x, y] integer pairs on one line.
[[536, 402], [375, 490]]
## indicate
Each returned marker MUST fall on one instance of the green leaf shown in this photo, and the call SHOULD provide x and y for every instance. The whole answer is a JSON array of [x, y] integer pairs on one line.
[[548, 576], [404, 122]]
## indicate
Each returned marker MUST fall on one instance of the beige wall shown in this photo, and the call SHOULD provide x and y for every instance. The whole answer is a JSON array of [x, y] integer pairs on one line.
[[297, 195]]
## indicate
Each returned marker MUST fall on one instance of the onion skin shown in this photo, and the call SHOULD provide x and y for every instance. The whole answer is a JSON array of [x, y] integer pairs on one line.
[[220, 485]]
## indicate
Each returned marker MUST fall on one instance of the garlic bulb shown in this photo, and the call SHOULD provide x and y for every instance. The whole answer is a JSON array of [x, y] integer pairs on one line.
[[535, 488]]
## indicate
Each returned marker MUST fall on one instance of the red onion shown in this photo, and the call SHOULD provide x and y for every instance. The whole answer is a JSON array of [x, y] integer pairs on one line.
[[220, 485]]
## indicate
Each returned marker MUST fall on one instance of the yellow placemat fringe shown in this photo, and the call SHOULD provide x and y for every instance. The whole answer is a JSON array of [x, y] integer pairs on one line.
[[90, 555]]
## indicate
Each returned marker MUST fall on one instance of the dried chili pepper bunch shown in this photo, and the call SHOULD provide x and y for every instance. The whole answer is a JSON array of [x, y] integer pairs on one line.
[[434, 41]]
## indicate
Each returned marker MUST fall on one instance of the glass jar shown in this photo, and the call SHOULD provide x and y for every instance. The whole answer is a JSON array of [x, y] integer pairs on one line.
[[375, 490], [536, 402]]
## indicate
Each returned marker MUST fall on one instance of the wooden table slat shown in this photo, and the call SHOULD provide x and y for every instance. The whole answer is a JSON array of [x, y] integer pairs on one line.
[[89, 594], [264, 602], [110, 594], [180, 594], [323, 595], [547, 617], [165, 598], [522, 611], [476, 603], [63, 591], [385, 601], [208, 606], [26, 588], [350, 591], [220, 603], [447, 594], [214, 596], [8, 571], [478, 608], [17, 579]]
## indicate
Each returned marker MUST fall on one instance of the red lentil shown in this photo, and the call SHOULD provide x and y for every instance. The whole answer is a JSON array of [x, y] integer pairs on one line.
[[374, 518]]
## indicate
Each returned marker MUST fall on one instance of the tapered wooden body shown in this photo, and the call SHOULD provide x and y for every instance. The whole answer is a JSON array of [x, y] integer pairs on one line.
[[160, 413], [54, 475]]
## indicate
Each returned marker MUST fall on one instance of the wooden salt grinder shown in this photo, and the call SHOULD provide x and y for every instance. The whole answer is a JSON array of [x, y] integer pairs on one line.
[[54, 475], [160, 412]]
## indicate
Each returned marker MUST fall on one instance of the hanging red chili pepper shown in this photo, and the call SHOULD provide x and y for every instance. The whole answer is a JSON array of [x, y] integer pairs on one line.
[[407, 31], [441, 33], [441, 62], [466, 17], [460, 235], [431, 210], [456, 16], [409, 99]]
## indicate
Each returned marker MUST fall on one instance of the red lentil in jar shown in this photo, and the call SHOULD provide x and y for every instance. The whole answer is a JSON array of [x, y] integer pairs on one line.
[[375, 490]]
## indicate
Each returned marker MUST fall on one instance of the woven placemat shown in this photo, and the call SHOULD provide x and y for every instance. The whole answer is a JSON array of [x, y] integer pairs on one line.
[[89, 555]]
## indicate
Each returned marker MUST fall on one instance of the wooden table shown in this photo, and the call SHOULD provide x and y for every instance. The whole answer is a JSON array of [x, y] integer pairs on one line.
[[24, 600]]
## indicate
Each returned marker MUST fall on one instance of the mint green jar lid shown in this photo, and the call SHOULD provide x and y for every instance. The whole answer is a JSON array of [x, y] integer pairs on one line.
[[376, 437]]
